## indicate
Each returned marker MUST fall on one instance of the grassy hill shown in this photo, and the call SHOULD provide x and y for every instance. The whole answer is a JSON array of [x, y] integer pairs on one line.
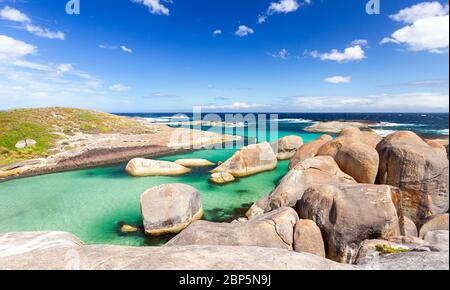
[[47, 125]]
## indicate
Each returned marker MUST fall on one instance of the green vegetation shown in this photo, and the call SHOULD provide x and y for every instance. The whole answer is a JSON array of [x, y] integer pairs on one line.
[[46, 126], [385, 249]]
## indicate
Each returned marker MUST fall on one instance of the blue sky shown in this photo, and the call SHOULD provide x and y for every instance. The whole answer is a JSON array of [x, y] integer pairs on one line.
[[158, 56]]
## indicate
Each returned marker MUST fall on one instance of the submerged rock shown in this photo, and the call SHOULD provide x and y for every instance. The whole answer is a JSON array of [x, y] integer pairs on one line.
[[359, 161], [170, 208], [348, 214], [273, 230], [287, 146], [317, 170], [419, 170], [308, 238], [194, 162], [250, 160], [309, 150], [140, 167], [126, 228], [222, 178]]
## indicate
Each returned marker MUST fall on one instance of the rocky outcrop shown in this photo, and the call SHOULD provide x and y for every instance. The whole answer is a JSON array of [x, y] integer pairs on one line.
[[349, 214], [359, 161], [419, 170], [222, 178], [370, 138], [141, 167], [250, 160], [308, 238], [194, 162], [170, 208], [272, 230], [434, 223], [335, 127], [313, 171], [287, 146], [439, 240], [409, 261], [25, 143], [62, 251], [346, 137], [309, 150]]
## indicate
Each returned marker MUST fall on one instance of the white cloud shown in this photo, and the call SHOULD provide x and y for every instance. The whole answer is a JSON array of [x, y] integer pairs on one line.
[[234, 106], [64, 68], [352, 53], [12, 49], [15, 15], [282, 54], [126, 49], [360, 42], [420, 11], [338, 80], [155, 6], [283, 6], [244, 31], [262, 19], [12, 14], [427, 28], [408, 102], [119, 88], [217, 32], [44, 32]]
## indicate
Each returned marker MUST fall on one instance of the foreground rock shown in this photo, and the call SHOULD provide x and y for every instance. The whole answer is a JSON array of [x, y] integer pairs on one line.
[[170, 208], [250, 160], [434, 223], [439, 240], [345, 138], [222, 178], [409, 261], [309, 150], [194, 162], [272, 230], [419, 170], [62, 251], [141, 167], [409, 227], [287, 146], [308, 239], [359, 161], [317, 170], [349, 214], [335, 127]]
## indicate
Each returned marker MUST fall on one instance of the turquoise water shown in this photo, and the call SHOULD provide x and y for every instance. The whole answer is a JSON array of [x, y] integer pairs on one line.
[[90, 203]]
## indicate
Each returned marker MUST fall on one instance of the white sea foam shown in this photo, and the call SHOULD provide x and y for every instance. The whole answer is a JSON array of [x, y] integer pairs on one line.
[[384, 133], [294, 121], [390, 124], [442, 132]]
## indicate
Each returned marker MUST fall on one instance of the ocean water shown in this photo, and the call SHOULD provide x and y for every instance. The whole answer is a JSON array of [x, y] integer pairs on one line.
[[90, 203]]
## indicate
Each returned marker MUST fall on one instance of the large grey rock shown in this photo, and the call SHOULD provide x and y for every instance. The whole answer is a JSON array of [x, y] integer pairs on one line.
[[409, 261], [419, 170], [359, 161], [434, 223], [287, 146], [439, 240], [317, 170], [250, 160], [49, 251], [140, 167], [272, 230], [309, 150], [308, 238], [170, 208], [349, 214]]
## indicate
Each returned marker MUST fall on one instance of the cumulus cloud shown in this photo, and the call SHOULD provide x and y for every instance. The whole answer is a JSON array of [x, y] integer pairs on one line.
[[12, 14], [282, 54], [427, 28], [12, 49], [155, 6], [119, 88], [244, 31], [408, 102], [352, 53], [282, 7], [338, 80], [217, 32]]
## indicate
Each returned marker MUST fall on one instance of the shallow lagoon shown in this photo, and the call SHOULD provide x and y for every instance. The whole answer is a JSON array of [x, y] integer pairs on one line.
[[91, 202]]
